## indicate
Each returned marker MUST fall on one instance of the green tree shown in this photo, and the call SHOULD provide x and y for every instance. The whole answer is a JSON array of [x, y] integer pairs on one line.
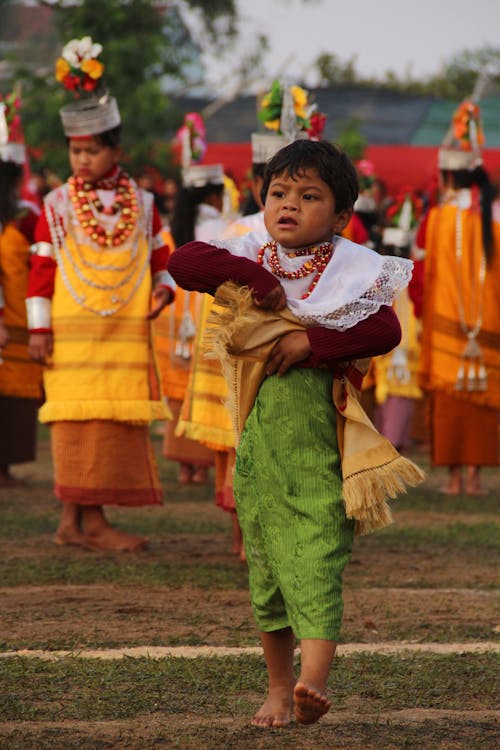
[[144, 42], [351, 140], [458, 78]]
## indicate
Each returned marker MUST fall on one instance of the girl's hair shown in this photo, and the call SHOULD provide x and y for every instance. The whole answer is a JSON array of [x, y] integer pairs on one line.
[[332, 164], [110, 138], [186, 208], [465, 178], [10, 176]]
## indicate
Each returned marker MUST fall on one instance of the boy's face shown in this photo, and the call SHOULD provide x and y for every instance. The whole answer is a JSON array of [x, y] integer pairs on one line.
[[300, 211], [90, 159]]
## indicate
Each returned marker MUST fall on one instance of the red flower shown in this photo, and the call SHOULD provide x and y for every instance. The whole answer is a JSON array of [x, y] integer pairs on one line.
[[71, 82], [317, 125], [89, 83]]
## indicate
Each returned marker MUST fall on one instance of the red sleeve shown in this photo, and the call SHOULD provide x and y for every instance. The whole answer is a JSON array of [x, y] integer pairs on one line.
[[421, 232], [416, 287], [42, 268], [161, 251], [360, 232], [201, 267], [377, 334], [27, 223]]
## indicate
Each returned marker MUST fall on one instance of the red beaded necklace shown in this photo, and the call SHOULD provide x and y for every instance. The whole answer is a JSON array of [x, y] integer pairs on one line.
[[86, 202], [317, 264]]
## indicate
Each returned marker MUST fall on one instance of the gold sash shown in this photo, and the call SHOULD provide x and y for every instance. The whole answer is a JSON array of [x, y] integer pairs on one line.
[[241, 336]]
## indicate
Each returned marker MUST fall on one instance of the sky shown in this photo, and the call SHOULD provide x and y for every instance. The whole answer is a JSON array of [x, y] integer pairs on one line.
[[415, 37]]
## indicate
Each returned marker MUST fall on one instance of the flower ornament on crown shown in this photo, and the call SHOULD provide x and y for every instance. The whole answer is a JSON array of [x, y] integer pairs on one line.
[[366, 174], [406, 210], [192, 138], [286, 110], [467, 128], [78, 68]]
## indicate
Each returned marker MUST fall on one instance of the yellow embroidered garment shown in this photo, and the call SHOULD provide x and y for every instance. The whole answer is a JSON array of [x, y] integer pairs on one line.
[[451, 285], [241, 336], [102, 366], [396, 373], [173, 334], [204, 416], [19, 375]]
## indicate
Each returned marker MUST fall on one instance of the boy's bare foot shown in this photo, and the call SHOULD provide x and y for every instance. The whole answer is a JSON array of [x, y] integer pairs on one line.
[[276, 711], [112, 540], [310, 704]]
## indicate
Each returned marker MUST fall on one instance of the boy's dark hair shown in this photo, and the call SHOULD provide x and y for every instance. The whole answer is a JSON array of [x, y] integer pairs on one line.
[[332, 164], [110, 138]]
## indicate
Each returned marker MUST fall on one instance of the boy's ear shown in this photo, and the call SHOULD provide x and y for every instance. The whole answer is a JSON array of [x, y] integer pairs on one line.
[[342, 219]]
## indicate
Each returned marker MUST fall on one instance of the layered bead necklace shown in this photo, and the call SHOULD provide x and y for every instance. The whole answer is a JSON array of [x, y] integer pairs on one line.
[[321, 256], [87, 206]]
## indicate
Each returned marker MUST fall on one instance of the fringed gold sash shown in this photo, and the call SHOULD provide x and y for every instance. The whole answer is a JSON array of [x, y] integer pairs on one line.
[[241, 336]]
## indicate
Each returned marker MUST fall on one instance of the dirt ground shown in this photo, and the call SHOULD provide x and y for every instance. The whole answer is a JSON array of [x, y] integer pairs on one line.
[[417, 594]]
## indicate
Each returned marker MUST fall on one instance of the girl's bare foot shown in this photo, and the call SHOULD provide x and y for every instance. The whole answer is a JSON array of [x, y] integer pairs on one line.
[[100, 535], [475, 490], [9, 480], [185, 474], [200, 475], [69, 531], [450, 489], [454, 484], [67, 536], [276, 711], [473, 482], [310, 704], [113, 540]]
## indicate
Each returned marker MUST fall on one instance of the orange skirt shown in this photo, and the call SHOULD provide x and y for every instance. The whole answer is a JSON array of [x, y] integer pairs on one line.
[[100, 462], [463, 433], [180, 448]]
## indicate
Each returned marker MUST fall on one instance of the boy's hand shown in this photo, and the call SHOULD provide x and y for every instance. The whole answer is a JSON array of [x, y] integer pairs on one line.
[[291, 348], [274, 300], [40, 346], [162, 296]]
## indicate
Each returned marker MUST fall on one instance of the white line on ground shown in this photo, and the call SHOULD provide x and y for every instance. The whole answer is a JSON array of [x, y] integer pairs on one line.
[[388, 648]]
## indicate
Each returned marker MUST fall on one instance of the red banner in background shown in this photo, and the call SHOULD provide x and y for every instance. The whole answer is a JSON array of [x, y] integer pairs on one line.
[[396, 166]]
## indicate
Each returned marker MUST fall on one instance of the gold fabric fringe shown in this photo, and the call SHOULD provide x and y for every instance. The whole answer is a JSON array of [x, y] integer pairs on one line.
[[116, 411], [241, 336]]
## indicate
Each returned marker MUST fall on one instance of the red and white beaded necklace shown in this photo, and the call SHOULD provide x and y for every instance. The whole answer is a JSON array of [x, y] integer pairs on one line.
[[321, 255], [88, 206]]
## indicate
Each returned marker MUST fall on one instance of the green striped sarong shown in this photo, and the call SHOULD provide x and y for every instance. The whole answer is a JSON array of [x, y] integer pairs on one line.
[[288, 491]]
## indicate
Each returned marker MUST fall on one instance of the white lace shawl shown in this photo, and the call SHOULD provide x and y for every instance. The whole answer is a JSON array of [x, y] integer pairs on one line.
[[354, 285]]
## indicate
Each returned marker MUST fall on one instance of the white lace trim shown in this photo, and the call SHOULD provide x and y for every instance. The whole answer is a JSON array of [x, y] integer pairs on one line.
[[355, 284]]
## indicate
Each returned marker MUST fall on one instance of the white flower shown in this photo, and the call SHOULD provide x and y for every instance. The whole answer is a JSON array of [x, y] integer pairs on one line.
[[80, 49]]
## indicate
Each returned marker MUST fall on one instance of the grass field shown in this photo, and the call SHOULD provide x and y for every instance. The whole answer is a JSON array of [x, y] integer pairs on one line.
[[432, 578]]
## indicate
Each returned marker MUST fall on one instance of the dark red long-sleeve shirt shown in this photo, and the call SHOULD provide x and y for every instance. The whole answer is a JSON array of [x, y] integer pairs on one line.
[[201, 267]]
